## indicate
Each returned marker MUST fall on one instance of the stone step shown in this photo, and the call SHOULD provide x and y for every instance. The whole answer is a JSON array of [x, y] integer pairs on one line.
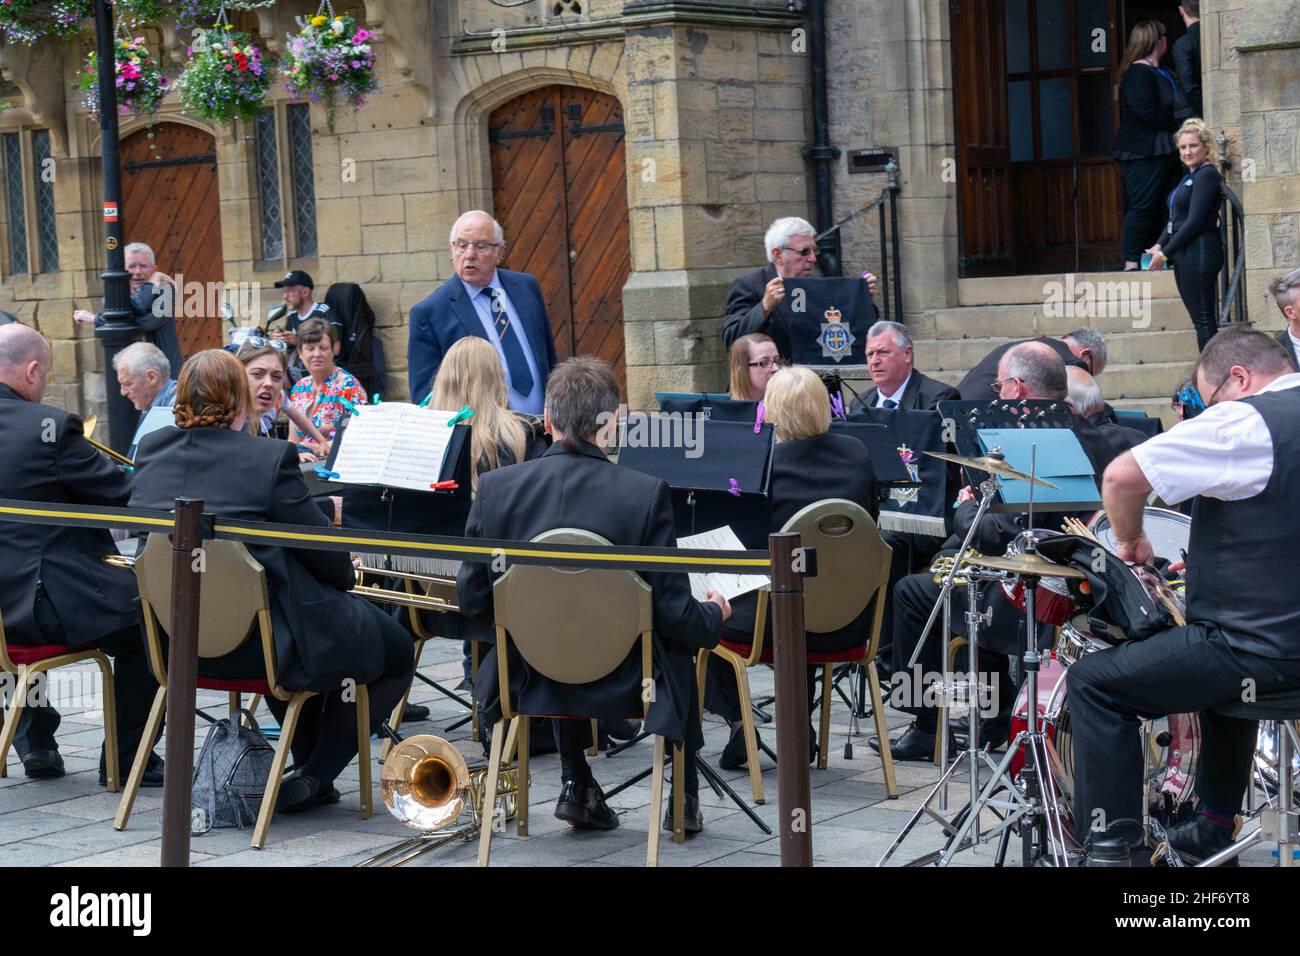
[[1110, 317], [1137, 348], [1150, 381], [1003, 290]]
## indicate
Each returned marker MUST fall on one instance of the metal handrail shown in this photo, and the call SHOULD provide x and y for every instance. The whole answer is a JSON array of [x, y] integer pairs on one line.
[[1232, 279]]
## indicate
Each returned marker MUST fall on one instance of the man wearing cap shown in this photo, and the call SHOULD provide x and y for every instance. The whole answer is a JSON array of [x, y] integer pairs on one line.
[[297, 308]]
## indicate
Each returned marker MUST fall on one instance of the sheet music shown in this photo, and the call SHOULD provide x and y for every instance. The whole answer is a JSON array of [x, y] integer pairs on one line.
[[729, 584], [395, 444]]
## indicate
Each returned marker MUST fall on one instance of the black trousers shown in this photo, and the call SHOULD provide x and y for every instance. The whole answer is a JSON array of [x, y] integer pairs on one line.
[[133, 688], [1147, 183], [1181, 670], [914, 598], [326, 739], [1196, 270], [573, 737]]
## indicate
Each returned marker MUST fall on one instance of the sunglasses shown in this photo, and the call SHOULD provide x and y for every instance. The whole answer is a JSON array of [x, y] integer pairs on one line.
[[261, 342]]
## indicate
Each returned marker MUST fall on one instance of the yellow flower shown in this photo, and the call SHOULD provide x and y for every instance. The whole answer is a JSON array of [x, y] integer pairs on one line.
[[318, 21]]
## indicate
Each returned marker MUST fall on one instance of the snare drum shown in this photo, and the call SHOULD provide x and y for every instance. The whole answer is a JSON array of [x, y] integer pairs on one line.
[[1170, 532], [1053, 604]]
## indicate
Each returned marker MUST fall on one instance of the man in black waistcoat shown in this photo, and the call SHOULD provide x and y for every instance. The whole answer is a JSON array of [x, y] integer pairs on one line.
[[55, 588], [1242, 637], [573, 485]]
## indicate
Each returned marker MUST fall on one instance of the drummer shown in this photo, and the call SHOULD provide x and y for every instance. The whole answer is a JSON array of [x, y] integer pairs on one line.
[[1031, 370], [1243, 609]]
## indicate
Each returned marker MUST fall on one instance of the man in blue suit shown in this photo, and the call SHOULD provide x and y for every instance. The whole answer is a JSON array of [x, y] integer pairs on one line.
[[504, 307]]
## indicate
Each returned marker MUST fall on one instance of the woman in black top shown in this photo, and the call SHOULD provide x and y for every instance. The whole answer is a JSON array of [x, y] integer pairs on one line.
[[1191, 240], [809, 464], [1144, 144]]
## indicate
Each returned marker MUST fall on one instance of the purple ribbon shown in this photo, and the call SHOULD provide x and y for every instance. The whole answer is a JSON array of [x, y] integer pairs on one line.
[[758, 421], [735, 487]]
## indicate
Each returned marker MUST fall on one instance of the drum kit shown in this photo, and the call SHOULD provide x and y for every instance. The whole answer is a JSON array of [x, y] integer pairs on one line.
[[1031, 790]]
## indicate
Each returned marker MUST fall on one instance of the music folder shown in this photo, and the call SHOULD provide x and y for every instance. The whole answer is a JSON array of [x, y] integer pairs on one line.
[[386, 457], [1058, 458], [700, 476], [890, 470]]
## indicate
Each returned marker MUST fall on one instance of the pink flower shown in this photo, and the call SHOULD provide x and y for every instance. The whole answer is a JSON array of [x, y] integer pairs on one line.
[[362, 36]]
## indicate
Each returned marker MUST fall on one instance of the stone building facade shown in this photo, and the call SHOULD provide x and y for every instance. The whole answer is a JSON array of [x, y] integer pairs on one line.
[[715, 105]]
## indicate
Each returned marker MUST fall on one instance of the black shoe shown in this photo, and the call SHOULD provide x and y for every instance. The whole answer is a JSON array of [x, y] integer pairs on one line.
[[692, 818], [300, 791], [812, 745], [620, 729], [152, 778], [413, 713], [733, 755], [43, 764], [915, 744], [1199, 838], [582, 805], [1120, 845], [993, 733]]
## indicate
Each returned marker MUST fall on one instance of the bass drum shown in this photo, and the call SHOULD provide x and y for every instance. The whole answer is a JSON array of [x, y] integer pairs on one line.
[[1173, 746], [1170, 532]]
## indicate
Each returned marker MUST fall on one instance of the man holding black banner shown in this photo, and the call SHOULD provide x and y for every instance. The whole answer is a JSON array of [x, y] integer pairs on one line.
[[757, 301]]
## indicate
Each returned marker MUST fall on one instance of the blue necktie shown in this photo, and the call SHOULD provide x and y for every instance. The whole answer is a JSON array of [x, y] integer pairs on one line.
[[889, 403], [521, 380]]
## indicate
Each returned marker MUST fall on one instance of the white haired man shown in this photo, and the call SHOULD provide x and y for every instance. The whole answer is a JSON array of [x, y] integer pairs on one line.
[[504, 307], [755, 300], [144, 376]]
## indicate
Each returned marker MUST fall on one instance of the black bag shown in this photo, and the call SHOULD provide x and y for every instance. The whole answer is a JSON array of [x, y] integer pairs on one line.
[[1114, 591]]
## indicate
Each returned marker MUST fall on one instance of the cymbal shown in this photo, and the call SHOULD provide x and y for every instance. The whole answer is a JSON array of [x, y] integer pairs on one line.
[[88, 425], [994, 466], [1027, 564]]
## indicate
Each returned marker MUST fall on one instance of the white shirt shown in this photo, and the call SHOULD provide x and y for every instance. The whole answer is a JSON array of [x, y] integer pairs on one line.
[[1295, 345], [531, 403], [1226, 452], [897, 397]]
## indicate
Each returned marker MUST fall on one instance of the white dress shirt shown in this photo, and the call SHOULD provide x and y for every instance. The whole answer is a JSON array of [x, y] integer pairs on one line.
[[1295, 345], [1226, 452], [897, 397], [530, 404]]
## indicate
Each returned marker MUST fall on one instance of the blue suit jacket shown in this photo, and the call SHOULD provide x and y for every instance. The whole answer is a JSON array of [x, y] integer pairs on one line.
[[448, 315]]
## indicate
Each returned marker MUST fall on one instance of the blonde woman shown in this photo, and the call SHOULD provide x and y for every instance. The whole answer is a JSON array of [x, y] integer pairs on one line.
[[471, 375], [1191, 239], [809, 464], [754, 360]]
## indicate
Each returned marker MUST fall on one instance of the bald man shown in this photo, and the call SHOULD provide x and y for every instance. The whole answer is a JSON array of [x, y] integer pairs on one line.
[[504, 307], [55, 588]]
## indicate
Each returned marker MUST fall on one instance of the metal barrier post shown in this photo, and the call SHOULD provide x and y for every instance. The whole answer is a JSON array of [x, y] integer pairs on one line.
[[790, 659], [182, 677]]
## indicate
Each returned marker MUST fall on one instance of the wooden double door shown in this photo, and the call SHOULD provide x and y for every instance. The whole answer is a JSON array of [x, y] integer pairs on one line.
[[170, 201], [1035, 91], [559, 190]]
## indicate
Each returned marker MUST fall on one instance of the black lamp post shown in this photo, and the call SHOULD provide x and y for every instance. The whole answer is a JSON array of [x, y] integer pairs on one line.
[[118, 328]]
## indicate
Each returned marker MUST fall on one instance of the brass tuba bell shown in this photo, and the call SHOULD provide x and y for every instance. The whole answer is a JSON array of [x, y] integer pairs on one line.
[[426, 783]]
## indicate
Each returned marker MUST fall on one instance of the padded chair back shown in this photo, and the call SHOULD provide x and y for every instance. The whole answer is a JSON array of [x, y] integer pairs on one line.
[[232, 590], [573, 625], [852, 562]]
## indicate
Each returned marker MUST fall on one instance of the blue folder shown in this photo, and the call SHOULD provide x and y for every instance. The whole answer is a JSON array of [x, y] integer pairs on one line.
[[1060, 460]]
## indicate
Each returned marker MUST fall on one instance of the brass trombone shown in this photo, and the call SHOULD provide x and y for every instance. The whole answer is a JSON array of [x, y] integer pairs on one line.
[[88, 429], [426, 784]]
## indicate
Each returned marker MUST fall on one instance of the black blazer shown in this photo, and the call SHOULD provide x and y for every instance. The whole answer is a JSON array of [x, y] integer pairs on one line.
[[922, 393], [583, 489], [804, 471], [1146, 114], [1187, 66], [977, 385], [91, 598], [1284, 340], [323, 635], [745, 311]]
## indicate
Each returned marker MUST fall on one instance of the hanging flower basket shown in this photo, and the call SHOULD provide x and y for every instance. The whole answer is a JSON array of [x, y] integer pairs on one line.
[[226, 77], [331, 60], [140, 81], [26, 21]]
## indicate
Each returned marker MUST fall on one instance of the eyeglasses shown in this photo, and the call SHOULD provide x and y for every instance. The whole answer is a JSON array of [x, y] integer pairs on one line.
[[260, 342], [480, 245], [802, 253], [1215, 393], [997, 386], [767, 363]]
